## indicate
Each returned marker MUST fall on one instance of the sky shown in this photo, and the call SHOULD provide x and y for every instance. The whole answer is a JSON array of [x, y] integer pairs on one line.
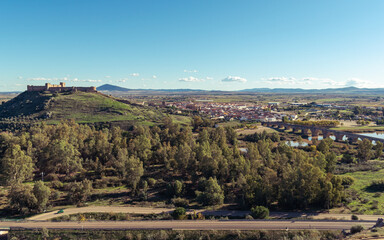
[[195, 44]]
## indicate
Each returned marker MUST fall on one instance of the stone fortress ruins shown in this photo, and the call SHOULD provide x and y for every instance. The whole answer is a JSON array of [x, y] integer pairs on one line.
[[59, 88]]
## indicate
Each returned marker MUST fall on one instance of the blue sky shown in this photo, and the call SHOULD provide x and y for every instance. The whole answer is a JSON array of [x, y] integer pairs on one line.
[[200, 44]]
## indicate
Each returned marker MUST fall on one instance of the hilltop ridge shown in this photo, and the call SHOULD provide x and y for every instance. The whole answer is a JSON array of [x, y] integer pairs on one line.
[[83, 107]]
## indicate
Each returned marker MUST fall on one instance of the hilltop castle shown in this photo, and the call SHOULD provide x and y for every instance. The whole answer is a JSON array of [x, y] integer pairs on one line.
[[59, 88]]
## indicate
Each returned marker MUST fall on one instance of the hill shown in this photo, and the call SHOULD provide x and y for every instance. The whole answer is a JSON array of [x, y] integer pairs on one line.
[[109, 87], [81, 106], [113, 89], [346, 90]]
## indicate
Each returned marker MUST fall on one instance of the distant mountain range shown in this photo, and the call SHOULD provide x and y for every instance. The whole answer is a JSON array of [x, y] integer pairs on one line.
[[347, 90]]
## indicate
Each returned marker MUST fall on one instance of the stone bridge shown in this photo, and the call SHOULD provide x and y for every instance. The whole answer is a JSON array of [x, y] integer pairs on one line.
[[316, 131]]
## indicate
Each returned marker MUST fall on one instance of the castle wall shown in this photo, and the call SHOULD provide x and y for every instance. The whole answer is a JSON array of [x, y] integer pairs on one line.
[[35, 88], [59, 88]]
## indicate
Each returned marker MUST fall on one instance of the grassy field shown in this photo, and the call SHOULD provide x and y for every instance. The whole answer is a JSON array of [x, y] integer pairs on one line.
[[360, 197], [89, 108]]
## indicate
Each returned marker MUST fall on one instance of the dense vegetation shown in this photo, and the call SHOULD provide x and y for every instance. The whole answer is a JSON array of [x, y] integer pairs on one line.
[[172, 234], [319, 123], [207, 167]]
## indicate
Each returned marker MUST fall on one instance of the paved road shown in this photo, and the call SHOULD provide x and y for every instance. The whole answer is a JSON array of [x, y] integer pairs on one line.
[[193, 225], [151, 210]]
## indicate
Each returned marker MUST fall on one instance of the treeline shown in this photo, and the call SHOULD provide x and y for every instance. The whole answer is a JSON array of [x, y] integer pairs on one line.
[[320, 123], [207, 167]]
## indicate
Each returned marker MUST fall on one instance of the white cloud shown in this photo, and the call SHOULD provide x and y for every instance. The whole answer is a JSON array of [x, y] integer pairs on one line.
[[107, 76], [280, 80], [356, 82], [352, 82], [234, 79], [154, 76], [85, 80], [64, 79], [190, 71], [301, 81], [323, 82], [48, 79], [20, 77], [39, 79], [316, 80], [135, 74], [209, 78], [191, 79], [333, 83]]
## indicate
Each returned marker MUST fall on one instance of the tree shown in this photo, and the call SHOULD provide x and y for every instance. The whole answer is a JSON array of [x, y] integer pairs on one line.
[[21, 198], [175, 189], [141, 147], [378, 149], [41, 193], [260, 212], [17, 166], [347, 158], [63, 158], [196, 122], [331, 159], [325, 145], [183, 157], [134, 171], [80, 191], [364, 150], [212, 194]]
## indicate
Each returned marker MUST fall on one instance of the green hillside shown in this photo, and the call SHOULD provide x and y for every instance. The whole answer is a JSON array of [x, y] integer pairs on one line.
[[81, 106]]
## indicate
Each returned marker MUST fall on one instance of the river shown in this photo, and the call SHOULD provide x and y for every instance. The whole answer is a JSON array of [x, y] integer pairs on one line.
[[304, 144], [374, 134]]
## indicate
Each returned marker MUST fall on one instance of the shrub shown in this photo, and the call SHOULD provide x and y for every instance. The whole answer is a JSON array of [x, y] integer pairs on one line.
[[212, 194], [180, 202], [79, 191], [56, 184], [55, 195], [179, 213], [347, 158], [260, 212], [42, 194], [175, 188], [356, 229], [354, 217], [151, 182], [375, 204], [347, 180]]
